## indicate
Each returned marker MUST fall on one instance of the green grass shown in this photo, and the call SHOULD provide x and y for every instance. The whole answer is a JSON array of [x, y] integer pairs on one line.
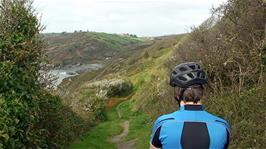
[[113, 41], [140, 129], [97, 137], [140, 125]]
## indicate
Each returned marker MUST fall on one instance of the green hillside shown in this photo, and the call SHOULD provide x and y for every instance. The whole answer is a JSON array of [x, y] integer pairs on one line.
[[140, 69], [88, 47]]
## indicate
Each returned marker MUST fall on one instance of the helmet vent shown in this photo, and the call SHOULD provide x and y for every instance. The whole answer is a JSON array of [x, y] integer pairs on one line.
[[199, 67], [198, 74], [182, 78], [182, 69], [191, 75], [174, 72], [192, 67]]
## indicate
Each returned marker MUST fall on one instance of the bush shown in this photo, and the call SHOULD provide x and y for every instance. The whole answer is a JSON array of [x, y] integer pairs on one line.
[[111, 88], [230, 44], [245, 114], [119, 88], [30, 117], [59, 122], [19, 104], [87, 105]]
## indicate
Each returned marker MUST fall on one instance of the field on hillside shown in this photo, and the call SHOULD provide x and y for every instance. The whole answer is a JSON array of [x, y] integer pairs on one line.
[[88, 47]]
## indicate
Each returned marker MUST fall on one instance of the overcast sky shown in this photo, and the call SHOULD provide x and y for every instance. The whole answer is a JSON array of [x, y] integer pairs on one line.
[[141, 17]]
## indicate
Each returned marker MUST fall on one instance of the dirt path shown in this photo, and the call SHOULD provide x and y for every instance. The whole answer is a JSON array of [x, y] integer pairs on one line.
[[118, 140]]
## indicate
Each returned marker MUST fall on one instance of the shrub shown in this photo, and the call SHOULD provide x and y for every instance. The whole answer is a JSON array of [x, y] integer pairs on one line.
[[59, 122], [245, 114], [87, 105], [30, 117], [119, 88], [111, 88], [230, 44]]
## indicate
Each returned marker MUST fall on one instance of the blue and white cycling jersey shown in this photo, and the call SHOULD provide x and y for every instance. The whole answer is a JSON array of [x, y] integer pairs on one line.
[[191, 127]]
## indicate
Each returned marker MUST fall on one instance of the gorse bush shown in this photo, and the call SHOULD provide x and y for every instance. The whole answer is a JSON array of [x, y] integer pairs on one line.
[[30, 117]]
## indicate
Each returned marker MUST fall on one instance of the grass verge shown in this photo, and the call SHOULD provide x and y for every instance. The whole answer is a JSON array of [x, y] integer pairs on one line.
[[97, 137], [140, 125]]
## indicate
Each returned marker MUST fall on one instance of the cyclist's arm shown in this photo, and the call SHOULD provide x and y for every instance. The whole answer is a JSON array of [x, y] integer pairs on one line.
[[155, 140], [227, 139], [153, 147]]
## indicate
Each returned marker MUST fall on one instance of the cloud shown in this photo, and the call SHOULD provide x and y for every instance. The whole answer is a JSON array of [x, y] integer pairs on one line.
[[141, 17]]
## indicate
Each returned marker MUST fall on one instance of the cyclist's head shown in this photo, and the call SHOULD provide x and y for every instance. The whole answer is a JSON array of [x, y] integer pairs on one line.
[[193, 94], [188, 79]]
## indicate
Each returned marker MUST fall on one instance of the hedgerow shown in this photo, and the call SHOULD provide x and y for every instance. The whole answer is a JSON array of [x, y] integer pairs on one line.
[[30, 116]]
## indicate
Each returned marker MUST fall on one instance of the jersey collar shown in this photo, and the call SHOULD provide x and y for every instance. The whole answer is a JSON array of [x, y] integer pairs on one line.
[[192, 107]]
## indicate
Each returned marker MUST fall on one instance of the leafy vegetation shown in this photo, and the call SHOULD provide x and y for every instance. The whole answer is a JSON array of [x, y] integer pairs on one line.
[[230, 44], [30, 116], [19, 65], [246, 114]]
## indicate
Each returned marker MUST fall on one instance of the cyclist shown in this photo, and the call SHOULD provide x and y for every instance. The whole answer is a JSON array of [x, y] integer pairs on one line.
[[191, 127]]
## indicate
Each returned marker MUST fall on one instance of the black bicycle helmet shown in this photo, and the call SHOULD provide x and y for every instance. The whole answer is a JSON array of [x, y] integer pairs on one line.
[[185, 75]]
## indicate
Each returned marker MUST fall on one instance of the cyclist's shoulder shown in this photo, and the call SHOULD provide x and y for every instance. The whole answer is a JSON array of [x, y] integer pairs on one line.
[[165, 118], [217, 119]]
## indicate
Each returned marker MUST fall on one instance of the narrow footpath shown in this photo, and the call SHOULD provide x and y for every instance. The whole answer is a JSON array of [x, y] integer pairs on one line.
[[111, 134], [119, 139]]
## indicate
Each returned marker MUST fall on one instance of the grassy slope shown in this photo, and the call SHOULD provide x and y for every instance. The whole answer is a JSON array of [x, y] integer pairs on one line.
[[141, 70], [97, 137], [88, 47], [140, 125]]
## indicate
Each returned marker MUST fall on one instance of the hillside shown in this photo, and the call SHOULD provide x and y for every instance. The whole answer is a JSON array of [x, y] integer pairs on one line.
[[136, 73], [88, 47], [134, 62]]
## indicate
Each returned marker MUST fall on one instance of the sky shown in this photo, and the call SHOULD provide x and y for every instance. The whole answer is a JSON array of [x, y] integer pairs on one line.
[[140, 17]]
